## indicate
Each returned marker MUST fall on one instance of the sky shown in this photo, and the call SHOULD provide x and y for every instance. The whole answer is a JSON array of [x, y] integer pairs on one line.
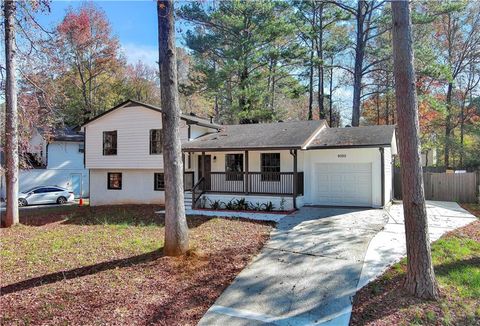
[[133, 22]]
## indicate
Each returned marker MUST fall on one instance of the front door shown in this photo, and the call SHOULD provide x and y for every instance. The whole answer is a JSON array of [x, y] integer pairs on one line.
[[208, 169], [76, 179]]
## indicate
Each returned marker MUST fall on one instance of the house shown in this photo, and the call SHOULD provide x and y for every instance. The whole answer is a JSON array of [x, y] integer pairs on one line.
[[287, 163], [429, 157], [56, 158], [124, 153]]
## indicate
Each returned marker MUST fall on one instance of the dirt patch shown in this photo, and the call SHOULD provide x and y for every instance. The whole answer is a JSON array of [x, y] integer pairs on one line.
[[105, 266]]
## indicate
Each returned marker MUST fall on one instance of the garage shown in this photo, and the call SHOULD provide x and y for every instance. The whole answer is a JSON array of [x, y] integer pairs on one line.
[[343, 184]]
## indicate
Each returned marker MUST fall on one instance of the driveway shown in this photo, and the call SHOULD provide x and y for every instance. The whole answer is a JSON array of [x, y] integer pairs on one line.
[[309, 271]]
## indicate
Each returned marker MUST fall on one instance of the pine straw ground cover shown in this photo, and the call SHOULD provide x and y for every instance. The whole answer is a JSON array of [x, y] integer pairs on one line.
[[98, 266], [456, 258]]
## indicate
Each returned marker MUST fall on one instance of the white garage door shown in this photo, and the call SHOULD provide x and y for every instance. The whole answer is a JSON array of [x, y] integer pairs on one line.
[[343, 184]]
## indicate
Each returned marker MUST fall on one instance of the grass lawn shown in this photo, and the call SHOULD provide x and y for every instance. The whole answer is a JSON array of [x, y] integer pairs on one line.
[[104, 265], [456, 258]]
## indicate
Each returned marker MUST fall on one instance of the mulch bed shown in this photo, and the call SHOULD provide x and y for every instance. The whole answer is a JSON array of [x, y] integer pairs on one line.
[[99, 277]]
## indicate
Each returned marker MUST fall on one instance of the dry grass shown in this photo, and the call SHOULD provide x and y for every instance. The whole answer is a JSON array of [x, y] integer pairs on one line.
[[91, 266]]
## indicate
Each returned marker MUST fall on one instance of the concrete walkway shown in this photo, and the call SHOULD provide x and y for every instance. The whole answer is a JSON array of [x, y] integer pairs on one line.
[[388, 246], [314, 262], [307, 272]]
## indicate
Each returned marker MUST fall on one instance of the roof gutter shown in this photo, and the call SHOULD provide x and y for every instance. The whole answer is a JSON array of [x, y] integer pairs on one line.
[[216, 149], [348, 146]]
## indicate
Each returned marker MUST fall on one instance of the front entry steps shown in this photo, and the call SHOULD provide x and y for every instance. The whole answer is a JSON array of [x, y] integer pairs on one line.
[[187, 199]]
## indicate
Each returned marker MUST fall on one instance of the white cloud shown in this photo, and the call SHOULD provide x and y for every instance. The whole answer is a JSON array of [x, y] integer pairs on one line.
[[144, 53]]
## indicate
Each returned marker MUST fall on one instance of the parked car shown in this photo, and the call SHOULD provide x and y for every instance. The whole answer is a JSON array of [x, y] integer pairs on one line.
[[45, 195]]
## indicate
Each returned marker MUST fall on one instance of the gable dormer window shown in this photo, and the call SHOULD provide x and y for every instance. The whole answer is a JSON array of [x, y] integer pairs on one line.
[[156, 141], [110, 142]]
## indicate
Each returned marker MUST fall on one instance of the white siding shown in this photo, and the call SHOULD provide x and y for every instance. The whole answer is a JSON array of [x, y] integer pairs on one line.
[[388, 175], [58, 177], [63, 161], [197, 131], [137, 188], [64, 155], [37, 145], [254, 157], [353, 155], [133, 126]]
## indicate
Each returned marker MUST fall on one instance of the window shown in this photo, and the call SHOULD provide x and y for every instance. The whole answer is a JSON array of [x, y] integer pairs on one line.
[[110, 142], [81, 148], [114, 181], [159, 182], [234, 167], [52, 190], [270, 166], [156, 141]]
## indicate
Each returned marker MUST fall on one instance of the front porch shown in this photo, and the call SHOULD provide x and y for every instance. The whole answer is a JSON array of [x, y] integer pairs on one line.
[[259, 177]]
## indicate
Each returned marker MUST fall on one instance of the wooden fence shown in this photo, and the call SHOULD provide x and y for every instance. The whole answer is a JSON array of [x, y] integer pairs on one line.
[[459, 187]]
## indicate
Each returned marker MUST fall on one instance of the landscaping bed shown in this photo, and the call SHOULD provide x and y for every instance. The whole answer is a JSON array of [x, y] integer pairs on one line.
[[91, 266], [456, 258]]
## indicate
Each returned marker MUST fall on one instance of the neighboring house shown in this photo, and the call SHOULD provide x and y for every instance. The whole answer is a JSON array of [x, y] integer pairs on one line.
[[429, 157], [288, 163], [56, 159]]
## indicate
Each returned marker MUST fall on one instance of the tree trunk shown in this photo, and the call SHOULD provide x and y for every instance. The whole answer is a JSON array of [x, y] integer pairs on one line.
[[11, 119], [420, 279], [176, 230], [321, 93], [357, 73], [330, 89], [387, 102], [310, 87], [462, 130]]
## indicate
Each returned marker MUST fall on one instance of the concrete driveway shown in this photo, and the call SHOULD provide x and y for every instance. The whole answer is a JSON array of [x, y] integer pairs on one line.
[[309, 271]]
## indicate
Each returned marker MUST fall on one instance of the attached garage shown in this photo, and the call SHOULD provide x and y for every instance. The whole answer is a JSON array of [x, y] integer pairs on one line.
[[350, 167], [343, 184]]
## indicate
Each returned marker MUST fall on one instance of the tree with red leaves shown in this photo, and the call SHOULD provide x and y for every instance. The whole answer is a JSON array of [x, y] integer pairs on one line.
[[88, 55]]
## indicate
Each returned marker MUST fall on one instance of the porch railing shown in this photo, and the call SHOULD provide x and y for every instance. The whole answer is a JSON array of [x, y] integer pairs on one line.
[[267, 183], [197, 191]]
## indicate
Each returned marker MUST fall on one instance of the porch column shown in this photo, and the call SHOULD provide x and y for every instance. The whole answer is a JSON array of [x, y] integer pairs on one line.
[[183, 162], [204, 169], [246, 173], [295, 178]]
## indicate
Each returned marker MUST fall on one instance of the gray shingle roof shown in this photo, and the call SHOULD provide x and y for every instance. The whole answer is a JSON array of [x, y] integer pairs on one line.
[[62, 134], [353, 137], [68, 134], [277, 135]]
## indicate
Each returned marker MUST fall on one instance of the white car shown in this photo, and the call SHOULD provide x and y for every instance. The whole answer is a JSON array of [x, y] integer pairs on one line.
[[45, 195]]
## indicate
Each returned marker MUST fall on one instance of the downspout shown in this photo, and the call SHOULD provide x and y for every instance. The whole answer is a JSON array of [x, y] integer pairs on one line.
[[46, 155], [85, 149], [382, 171]]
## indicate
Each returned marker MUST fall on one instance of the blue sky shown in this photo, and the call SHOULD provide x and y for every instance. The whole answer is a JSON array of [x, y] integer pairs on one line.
[[133, 22]]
